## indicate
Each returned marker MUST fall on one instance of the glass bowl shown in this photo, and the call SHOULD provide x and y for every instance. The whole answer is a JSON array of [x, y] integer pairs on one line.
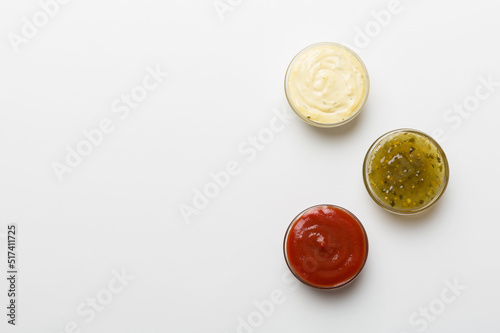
[[327, 84], [405, 171], [325, 247]]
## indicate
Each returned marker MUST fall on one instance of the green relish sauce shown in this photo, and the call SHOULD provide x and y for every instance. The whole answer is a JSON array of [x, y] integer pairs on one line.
[[405, 171]]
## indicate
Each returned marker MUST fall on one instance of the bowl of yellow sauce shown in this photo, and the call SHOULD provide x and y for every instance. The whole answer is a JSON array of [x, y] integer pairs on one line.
[[405, 171], [327, 84]]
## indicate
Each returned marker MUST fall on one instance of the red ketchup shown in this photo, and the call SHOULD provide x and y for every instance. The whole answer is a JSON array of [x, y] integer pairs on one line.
[[326, 247]]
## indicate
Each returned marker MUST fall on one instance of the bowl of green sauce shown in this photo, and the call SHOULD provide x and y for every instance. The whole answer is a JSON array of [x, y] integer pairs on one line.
[[405, 171]]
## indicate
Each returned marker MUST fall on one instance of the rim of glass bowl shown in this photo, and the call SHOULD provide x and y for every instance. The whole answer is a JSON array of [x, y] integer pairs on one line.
[[410, 211], [355, 113], [337, 286]]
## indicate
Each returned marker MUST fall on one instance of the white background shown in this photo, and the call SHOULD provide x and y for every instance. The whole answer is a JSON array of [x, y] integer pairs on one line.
[[119, 209]]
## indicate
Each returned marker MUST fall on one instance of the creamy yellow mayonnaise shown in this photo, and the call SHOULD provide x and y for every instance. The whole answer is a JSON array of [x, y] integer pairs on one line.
[[327, 84]]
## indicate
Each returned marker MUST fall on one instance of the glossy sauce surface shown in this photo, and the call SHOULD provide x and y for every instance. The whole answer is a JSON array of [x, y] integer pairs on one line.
[[327, 83], [406, 171], [326, 246]]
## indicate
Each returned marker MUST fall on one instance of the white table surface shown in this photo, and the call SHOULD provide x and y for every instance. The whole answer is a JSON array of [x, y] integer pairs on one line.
[[118, 212]]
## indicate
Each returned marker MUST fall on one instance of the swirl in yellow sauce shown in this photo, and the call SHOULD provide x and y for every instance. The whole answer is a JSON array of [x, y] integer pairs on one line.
[[327, 83]]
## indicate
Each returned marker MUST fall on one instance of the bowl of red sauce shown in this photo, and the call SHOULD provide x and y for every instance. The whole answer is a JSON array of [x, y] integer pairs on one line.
[[325, 247]]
